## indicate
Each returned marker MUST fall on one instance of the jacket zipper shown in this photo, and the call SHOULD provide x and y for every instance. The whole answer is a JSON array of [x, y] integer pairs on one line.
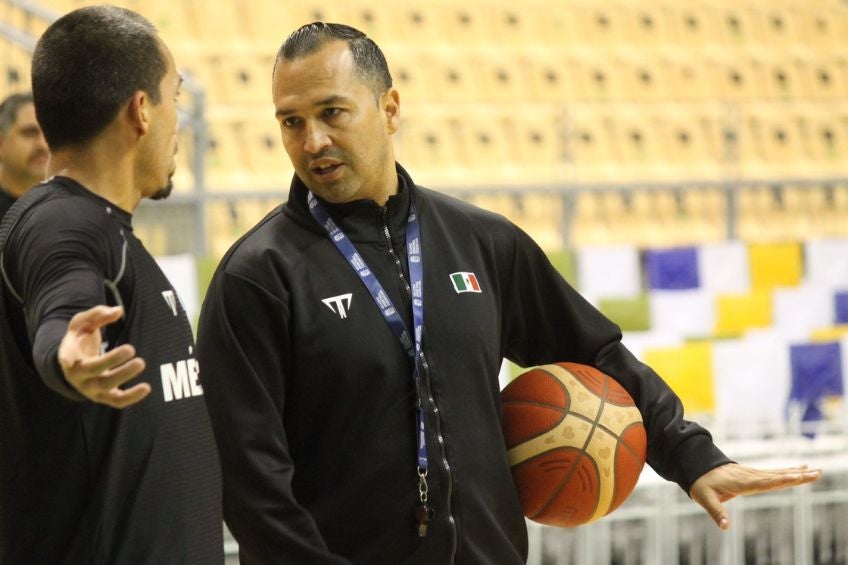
[[430, 400]]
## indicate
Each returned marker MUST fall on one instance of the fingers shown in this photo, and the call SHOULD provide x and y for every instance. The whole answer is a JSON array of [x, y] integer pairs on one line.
[[709, 500], [753, 481], [102, 363], [95, 318], [122, 398]]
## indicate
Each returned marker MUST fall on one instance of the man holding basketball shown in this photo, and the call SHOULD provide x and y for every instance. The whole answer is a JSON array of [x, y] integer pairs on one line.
[[106, 451], [351, 344]]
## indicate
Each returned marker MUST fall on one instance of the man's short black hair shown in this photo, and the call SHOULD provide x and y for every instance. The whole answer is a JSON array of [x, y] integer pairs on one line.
[[9, 110], [369, 59], [87, 65]]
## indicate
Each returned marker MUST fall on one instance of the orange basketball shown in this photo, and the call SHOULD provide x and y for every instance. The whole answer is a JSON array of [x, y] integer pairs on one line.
[[575, 441]]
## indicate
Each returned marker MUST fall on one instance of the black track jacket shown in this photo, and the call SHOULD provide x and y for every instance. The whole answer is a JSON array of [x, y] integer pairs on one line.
[[311, 394]]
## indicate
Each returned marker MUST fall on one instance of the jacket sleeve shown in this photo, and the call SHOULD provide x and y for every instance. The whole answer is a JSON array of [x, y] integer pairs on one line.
[[243, 354], [548, 321], [58, 267]]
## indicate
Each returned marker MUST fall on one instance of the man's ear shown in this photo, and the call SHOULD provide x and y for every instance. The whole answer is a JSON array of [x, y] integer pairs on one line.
[[137, 111], [390, 102]]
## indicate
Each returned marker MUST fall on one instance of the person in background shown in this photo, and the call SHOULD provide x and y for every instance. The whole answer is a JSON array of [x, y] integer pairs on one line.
[[351, 344], [106, 451], [23, 151]]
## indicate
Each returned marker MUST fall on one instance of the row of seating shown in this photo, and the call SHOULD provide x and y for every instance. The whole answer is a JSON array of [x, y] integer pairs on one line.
[[482, 145], [572, 22], [444, 73]]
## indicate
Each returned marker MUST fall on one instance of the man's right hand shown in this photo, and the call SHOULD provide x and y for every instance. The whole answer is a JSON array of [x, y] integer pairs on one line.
[[97, 376]]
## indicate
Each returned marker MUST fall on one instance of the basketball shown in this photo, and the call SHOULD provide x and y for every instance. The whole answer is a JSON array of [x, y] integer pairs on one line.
[[576, 443]]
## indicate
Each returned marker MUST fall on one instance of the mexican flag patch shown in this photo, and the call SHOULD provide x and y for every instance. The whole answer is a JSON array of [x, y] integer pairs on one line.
[[465, 282]]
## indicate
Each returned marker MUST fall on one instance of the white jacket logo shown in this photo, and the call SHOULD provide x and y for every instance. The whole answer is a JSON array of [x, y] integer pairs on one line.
[[170, 300], [339, 304], [180, 379]]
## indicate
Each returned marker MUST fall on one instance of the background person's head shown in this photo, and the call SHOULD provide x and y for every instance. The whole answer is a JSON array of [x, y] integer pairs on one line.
[[337, 111], [23, 152], [101, 64]]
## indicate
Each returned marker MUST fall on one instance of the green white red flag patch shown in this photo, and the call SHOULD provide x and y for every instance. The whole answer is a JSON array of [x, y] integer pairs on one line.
[[465, 282]]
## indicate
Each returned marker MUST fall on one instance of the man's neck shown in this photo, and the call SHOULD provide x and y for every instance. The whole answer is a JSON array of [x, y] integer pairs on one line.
[[100, 172]]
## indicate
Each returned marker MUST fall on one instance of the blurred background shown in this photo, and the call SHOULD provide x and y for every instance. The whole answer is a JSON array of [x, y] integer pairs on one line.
[[683, 162]]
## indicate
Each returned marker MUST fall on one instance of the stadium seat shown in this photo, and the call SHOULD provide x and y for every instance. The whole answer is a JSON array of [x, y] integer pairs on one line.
[[738, 313], [590, 142], [15, 69], [826, 74], [498, 76], [549, 74], [225, 158], [266, 160], [536, 136], [775, 264], [244, 76], [824, 137], [688, 370], [429, 144]]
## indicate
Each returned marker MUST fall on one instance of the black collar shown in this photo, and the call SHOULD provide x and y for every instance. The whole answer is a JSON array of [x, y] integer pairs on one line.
[[361, 220]]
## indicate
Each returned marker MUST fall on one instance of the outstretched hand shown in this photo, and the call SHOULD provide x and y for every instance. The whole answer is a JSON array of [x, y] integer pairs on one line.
[[97, 376], [729, 481]]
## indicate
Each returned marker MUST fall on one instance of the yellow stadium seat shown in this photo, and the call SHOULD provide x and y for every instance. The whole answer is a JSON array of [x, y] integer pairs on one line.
[[498, 76], [688, 370], [266, 160], [589, 225], [706, 216], [15, 65], [536, 137], [734, 73], [636, 149], [653, 23], [693, 24], [737, 313], [819, 27], [550, 75], [226, 159], [824, 131], [603, 23], [775, 264], [428, 144], [590, 142], [826, 74], [484, 147], [245, 79], [222, 26], [691, 140]]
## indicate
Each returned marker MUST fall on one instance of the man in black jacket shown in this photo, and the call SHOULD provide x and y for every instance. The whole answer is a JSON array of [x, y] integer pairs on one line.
[[351, 343], [106, 451], [23, 151]]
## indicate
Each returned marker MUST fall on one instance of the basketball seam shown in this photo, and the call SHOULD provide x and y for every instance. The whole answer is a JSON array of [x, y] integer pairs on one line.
[[574, 465]]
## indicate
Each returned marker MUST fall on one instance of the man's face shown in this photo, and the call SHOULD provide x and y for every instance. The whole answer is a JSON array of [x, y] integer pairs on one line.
[[158, 161], [334, 129], [23, 151]]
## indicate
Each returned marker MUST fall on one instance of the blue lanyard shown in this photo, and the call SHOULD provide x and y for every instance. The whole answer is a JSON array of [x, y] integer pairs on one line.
[[415, 262]]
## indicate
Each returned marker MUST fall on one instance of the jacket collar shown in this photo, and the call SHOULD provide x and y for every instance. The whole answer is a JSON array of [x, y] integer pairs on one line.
[[361, 220]]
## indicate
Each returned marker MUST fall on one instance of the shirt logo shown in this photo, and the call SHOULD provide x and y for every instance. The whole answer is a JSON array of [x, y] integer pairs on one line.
[[170, 300], [465, 282], [339, 304]]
